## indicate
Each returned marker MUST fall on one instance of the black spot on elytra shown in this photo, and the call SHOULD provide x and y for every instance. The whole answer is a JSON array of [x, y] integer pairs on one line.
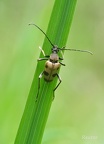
[[54, 75], [46, 73]]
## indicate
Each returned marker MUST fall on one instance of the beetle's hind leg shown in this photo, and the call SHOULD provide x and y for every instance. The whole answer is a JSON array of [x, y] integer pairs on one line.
[[59, 78], [40, 76]]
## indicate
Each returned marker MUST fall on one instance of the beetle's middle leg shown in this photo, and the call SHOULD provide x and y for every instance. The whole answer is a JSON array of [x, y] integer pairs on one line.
[[59, 78]]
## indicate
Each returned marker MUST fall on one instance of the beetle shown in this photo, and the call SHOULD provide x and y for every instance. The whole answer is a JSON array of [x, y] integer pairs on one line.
[[53, 63]]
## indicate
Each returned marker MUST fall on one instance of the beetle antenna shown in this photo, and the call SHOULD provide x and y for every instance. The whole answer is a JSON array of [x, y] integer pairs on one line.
[[43, 33], [77, 50]]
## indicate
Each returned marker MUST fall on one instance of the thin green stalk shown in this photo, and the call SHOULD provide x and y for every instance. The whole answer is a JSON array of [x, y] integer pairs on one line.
[[36, 113]]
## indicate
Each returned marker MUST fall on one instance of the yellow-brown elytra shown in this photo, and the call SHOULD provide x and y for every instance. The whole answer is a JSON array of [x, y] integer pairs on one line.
[[53, 63]]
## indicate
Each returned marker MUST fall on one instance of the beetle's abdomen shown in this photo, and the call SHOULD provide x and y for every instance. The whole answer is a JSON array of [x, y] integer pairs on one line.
[[50, 70]]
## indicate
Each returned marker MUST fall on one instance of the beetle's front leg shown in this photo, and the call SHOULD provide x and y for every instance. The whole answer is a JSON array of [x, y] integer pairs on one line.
[[42, 51], [61, 59], [40, 59], [46, 56]]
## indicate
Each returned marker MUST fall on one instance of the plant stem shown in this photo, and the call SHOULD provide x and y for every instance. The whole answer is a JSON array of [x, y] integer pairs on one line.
[[36, 113]]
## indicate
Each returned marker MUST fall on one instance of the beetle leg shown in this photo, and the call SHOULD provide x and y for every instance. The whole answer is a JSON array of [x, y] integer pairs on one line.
[[40, 59], [42, 51], [40, 76], [60, 58], [47, 56], [62, 64], [57, 85]]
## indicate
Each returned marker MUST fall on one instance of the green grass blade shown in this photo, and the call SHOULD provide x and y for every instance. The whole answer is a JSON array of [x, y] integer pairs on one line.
[[36, 113]]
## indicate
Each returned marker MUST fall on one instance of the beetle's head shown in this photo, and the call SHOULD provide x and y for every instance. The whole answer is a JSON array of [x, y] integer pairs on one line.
[[55, 49]]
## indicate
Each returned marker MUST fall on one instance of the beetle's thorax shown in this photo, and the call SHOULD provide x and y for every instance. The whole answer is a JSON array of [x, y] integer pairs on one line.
[[54, 58]]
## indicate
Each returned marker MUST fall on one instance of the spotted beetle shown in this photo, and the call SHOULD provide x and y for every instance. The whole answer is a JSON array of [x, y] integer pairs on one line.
[[53, 63]]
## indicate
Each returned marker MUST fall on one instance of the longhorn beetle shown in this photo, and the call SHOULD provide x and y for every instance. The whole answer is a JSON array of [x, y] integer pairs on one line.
[[53, 63]]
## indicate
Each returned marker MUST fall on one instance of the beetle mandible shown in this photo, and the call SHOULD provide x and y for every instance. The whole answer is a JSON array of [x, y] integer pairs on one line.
[[53, 63]]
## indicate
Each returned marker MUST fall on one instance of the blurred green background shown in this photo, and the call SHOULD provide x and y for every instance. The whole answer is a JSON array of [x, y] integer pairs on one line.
[[77, 113]]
